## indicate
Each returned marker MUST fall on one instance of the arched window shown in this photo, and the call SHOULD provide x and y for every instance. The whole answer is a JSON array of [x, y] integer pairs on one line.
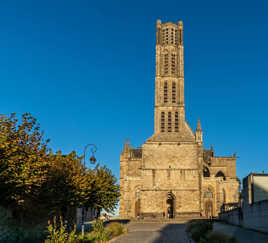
[[172, 36], [208, 193], [166, 63], [220, 174], [176, 37], [162, 121], [173, 92], [138, 193], [173, 64], [165, 92], [169, 122], [163, 36], [166, 35], [176, 121], [206, 172]]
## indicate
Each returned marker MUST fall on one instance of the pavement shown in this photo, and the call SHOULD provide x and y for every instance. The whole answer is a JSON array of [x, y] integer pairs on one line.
[[242, 235], [147, 232], [154, 233]]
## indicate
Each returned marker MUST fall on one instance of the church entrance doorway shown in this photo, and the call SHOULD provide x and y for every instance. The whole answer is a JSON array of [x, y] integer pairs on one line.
[[170, 205], [209, 209], [137, 208]]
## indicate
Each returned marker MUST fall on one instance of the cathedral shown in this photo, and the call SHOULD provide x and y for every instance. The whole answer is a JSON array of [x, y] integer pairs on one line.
[[172, 175]]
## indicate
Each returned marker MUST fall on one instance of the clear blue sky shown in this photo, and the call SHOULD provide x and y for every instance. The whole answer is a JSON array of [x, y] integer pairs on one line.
[[85, 70]]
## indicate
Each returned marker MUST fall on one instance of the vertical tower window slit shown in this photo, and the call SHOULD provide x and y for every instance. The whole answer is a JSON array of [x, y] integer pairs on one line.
[[173, 92], [163, 36], [166, 63], [169, 122], [165, 92], [173, 64], [162, 121], [176, 121]]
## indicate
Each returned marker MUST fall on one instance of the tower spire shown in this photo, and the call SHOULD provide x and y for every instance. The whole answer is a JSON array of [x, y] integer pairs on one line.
[[126, 146], [198, 128], [198, 132]]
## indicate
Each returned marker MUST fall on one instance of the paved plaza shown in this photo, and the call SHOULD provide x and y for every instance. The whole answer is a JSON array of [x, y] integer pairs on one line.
[[241, 234], [175, 233], [154, 233]]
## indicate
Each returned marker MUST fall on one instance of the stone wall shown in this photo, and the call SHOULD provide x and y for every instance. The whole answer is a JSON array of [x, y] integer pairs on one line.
[[250, 216], [170, 167], [170, 155]]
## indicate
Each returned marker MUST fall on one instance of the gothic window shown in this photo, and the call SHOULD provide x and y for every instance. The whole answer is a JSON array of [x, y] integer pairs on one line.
[[163, 36], [220, 174], [206, 172], [166, 36], [138, 193], [208, 193], [165, 92], [166, 63], [176, 121], [176, 37], [169, 122], [173, 92], [173, 63], [172, 36], [162, 121]]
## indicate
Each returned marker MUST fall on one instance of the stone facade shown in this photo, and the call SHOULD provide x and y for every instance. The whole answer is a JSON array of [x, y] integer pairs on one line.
[[171, 175]]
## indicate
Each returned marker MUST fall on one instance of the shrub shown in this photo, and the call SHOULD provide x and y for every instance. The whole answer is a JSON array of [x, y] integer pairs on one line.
[[219, 237], [199, 229], [99, 233], [57, 233], [116, 228]]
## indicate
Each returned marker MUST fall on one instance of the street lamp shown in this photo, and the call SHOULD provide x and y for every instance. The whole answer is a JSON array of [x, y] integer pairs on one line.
[[92, 160], [93, 149]]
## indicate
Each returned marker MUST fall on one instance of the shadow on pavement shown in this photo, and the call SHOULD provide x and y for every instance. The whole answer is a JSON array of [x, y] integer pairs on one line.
[[172, 233], [241, 234], [154, 232]]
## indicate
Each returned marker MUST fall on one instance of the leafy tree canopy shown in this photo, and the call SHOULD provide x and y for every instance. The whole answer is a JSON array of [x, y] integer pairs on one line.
[[33, 179]]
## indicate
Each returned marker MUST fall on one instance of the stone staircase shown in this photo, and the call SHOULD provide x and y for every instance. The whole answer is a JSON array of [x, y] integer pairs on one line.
[[179, 220]]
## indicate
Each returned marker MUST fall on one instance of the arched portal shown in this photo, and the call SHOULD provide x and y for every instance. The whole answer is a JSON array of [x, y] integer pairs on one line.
[[208, 209], [137, 203], [170, 205], [208, 202], [137, 208]]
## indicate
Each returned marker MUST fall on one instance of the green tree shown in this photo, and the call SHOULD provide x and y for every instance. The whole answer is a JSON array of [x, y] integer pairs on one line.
[[62, 189], [36, 182], [104, 193], [23, 162]]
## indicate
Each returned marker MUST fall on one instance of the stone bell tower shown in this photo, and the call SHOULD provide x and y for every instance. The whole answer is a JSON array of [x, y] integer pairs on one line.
[[169, 110], [169, 78]]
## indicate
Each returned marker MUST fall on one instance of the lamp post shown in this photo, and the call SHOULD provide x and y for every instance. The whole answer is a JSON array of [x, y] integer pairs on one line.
[[92, 160], [93, 150]]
